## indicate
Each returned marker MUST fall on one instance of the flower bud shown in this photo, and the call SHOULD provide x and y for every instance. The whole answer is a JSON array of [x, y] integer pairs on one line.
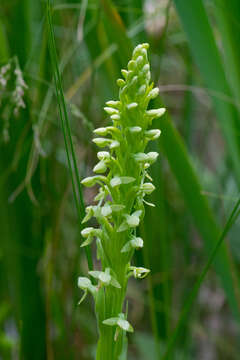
[[152, 157], [92, 180], [100, 167], [145, 68], [124, 73], [101, 131], [156, 113], [115, 117], [113, 103], [113, 129], [89, 181], [137, 50], [87, 231], [153, 134], [140, 157], [132, 105], [110, 110], [139, 60], [144, 53], [120, 82], [137, 242], [153, 93], [135, 129], [101, 142], [140, 50], [148, 188], [114, 144], [131, 65], [103, 155]]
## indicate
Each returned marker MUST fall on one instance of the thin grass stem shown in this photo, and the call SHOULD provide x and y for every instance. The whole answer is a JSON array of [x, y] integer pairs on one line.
[[231, 220], [71, 157]]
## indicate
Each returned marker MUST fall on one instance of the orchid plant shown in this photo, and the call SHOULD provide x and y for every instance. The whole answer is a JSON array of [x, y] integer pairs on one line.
[[124, 181]]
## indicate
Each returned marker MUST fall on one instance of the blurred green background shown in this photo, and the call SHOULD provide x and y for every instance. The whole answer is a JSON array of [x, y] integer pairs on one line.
[[195, 58]]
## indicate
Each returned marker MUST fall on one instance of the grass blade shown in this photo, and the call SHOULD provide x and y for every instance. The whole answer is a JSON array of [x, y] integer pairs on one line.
[[77, 191], [231, 220], [202, 42], [203, 218], [4, 48], [228, 17]]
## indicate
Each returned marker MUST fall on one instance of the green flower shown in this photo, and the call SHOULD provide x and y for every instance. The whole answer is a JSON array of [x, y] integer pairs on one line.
[[120, 322]]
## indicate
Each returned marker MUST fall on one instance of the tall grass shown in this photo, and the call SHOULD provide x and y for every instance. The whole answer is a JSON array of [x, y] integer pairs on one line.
[[75, 52]]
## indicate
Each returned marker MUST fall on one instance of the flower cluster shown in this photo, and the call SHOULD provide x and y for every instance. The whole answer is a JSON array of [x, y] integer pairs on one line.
[[123, 179], [12, 82], [20, 87], [12, 91], [4, 75]]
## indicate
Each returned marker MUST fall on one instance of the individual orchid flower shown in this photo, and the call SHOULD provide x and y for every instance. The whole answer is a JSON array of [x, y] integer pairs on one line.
[[86, 285], [120, 322]]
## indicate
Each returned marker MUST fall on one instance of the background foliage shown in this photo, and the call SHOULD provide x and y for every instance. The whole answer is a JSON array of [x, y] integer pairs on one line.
[[194, 49]]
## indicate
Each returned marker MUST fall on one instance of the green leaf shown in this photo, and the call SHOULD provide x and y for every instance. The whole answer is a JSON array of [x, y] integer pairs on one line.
[[231, 220], [202, 215], [207, 57], [70, 152]]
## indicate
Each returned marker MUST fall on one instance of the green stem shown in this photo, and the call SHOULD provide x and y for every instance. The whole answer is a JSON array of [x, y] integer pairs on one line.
[[231, 220], [109, 347], [77, 191]]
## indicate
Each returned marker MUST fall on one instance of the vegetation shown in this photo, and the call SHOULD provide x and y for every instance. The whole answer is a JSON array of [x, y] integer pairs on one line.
[[126, 185], [58, 64]]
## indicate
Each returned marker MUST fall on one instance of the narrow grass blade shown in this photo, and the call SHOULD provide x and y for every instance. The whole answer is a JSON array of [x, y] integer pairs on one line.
[[203, 218], [21, 40], [228, 18], [71, 157], [230, 222], [4, 48], [156, 256], [117, 30], [151, 297], [207, 57]]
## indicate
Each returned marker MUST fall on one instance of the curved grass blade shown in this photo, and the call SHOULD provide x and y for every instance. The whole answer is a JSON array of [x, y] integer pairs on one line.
[[231, 220], [228, 16], [4, 48], [71, 157], [198, 205], [202, 42]]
